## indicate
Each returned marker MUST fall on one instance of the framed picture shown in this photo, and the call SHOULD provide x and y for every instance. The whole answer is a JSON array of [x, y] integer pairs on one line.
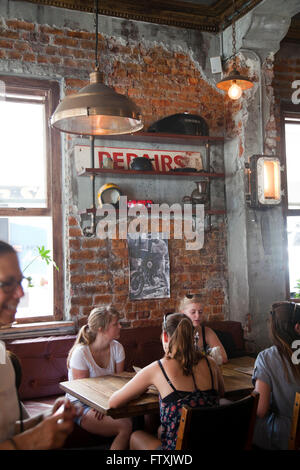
[[149, 266]]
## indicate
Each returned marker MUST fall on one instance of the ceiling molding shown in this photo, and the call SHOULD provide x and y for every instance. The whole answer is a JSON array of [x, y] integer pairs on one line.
[[168, 12]]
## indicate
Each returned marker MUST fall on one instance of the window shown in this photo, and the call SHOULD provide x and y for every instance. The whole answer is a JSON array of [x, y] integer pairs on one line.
[[292, 158], [30, 191]]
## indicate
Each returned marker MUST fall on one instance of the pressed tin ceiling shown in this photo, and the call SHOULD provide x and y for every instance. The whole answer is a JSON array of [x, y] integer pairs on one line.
[[203, 15]]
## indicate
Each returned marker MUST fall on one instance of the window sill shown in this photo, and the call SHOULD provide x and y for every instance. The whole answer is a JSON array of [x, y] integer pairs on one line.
[[33, 330]]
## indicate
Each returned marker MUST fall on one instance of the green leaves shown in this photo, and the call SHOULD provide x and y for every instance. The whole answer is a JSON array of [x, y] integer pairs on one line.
[[297, 295], [44, 254]]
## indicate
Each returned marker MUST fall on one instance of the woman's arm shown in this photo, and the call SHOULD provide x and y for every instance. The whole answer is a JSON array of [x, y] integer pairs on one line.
[[120, 366], [213, 341], [264, 391], [219, 380], [80, 374], [134, 388]]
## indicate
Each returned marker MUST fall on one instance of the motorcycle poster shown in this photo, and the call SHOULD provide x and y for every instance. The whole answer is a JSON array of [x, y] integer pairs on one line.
[[149, 266]]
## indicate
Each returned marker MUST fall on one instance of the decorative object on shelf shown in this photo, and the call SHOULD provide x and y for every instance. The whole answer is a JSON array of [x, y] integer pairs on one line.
[[264, 174], [181, 123], [234, 83], [200, 195], [141, 164], [140, 202], [107, 163], [97, 109], [109, 193]]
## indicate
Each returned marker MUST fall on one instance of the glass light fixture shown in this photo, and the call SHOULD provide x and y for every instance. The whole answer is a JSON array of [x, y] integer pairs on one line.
[[264, 181], [235, 83], [97, 109]]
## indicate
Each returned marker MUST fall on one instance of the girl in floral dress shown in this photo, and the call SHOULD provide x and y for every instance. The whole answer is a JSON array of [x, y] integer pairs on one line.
[[183, 376]]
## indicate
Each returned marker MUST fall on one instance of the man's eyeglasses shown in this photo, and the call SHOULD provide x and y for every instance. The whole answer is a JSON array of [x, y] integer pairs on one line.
[[10, 286]]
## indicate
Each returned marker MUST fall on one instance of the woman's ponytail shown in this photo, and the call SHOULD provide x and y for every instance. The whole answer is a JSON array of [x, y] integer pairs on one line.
[[181, 344]]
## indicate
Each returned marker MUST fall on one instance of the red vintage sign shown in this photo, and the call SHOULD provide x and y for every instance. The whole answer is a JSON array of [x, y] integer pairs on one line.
[[120, 158]]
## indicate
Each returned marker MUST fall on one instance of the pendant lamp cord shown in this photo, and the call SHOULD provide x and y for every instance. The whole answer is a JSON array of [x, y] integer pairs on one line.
[[96, 31], [233, 37]]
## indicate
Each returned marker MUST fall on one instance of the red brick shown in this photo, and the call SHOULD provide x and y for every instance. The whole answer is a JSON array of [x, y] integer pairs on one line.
[[29, 57], [5, 33], [63, 41], [6, 44], [96, 266], [94, 243], [15, 24], [75, 232], [13, 55], [80, 301], [102, 299], [75, 83], [81, 35], [83, 254], [75, 267], [50, 30]]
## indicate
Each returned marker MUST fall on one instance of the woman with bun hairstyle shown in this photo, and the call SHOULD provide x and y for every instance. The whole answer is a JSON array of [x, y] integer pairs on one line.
[[183, 376], [96, 352], [277, 378], [192, 306]]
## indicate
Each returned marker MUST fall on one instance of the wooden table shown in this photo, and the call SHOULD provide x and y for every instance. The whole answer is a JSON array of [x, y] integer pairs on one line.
[[96, 392], [238, 384]]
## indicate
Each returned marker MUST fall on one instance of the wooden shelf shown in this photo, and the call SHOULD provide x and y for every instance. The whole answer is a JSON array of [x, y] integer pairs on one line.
[[207, 212], [164, 138], [169, 174]]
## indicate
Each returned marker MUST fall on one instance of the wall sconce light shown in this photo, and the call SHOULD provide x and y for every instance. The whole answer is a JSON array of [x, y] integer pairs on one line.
[[264, 181]]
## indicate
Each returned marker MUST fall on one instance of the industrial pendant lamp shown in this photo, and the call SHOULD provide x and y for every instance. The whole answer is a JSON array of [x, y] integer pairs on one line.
[[97, 109], [234, 83]]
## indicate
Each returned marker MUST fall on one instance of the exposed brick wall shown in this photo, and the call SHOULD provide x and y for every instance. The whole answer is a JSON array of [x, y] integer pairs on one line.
[[162, 82], [99, 271]]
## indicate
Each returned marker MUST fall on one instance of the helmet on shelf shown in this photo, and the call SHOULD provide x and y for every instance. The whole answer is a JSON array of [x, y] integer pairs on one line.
[[109, 193]]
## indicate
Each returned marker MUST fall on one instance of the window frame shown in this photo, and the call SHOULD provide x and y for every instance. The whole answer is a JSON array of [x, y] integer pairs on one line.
[[50, 90], [287, 111]]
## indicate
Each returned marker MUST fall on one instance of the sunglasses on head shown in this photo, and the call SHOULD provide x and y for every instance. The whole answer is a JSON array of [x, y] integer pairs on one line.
[[191, 296], [165, 319]]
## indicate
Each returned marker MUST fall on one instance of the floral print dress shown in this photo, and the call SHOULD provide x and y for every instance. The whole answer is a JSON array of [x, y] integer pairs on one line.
[[171, 405]]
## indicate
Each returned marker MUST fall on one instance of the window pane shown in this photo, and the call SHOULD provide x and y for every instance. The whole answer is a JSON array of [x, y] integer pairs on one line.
[[293, 229], [23, 162], [292, 137], [26, 234]]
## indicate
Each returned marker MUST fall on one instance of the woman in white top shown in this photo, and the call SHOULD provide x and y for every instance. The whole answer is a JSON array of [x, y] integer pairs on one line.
[[96, 353]]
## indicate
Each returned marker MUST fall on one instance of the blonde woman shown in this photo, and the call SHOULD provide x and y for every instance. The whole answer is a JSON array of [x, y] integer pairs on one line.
[[97, 352], [183, 376], [192, 306]]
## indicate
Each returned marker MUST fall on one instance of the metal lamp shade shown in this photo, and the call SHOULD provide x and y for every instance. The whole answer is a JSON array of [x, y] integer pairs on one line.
[[97, 110], [241, 80]]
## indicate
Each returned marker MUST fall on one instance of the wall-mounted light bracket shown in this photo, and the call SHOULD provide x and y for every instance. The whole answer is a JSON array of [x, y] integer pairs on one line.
[[264, 173]]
